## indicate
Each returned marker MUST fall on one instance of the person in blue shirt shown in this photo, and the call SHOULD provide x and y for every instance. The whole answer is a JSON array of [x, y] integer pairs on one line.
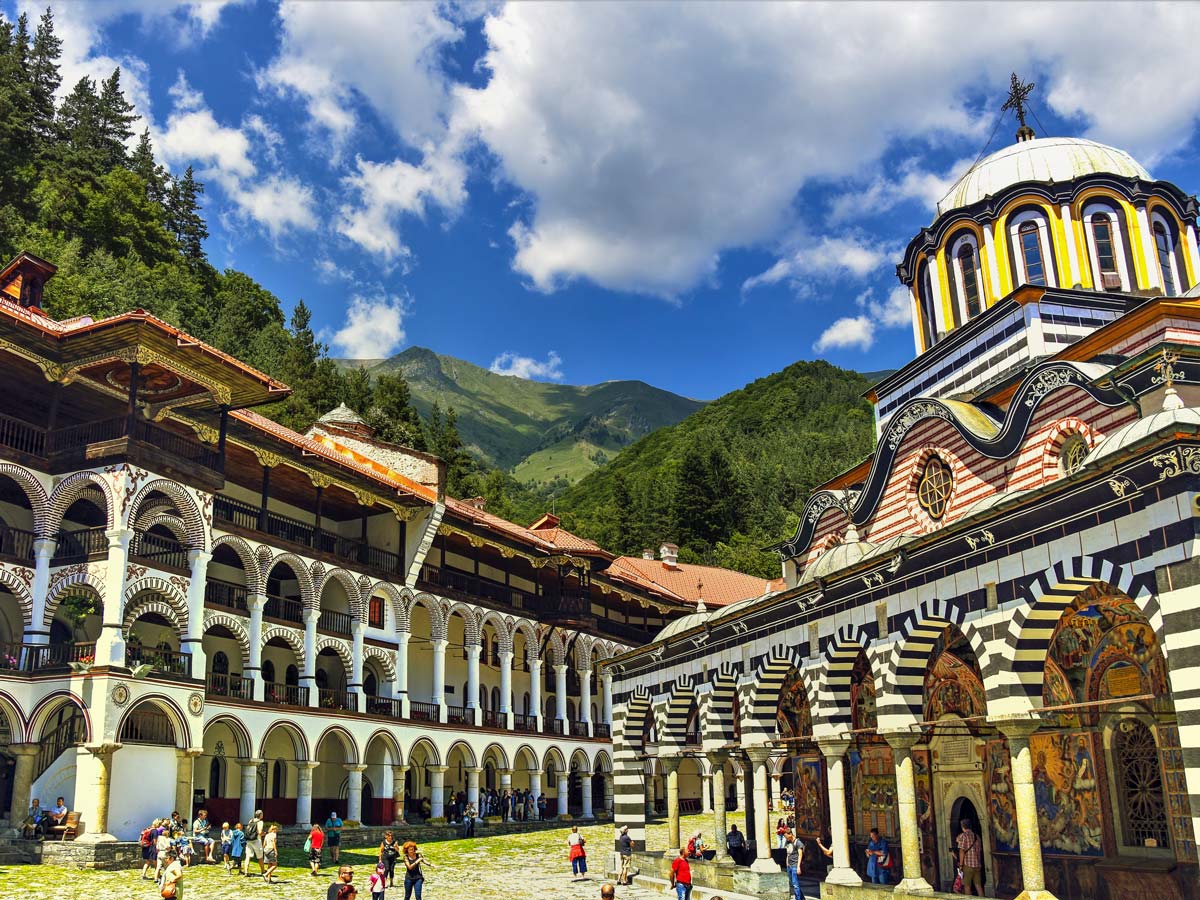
[[333, 835], [877, 857]]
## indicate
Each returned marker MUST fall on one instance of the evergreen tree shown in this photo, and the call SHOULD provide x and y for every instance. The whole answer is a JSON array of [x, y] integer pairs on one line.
[[356, 390], [44, 78], [142, 164], [244, 312], [392, 414], [446, 443], [80, 153], [625, 537], [184, 218], [116, 120]]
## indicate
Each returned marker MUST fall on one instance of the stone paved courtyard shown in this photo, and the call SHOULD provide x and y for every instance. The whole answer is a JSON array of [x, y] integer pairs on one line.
[[515, 867]]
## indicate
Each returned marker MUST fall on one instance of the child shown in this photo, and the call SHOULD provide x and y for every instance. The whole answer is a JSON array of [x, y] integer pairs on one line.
[[377, 883], [237, 846], [271, 852], [184, 848], [226, 840], [162, 844]]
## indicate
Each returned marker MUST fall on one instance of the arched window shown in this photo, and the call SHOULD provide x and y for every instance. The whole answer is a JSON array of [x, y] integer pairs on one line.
[[1140, 784], [291, 676], [1074, 452], [1102, 234], [1031, 253], [933, 490], [1103, 227], [1164, 246], [268, 671], [496, 699], [1029, 242], [278, 779], [525, 705], [370, 685], [928, 312], [966, 277], [220, 663], [216, 778]]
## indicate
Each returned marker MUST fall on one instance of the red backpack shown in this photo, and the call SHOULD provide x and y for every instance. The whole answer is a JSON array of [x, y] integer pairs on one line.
[[147, 838]]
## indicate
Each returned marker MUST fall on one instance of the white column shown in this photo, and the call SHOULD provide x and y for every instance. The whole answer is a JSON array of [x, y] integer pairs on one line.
[[473, 788], [585, 699], [249, 788], [110, 648], [354, 781], [439, 678], [304, 797], [193, 641], [716, 766], [606, 693], [506, 710], [560, 694], [398, 773], [941, 324], [1149, 254], [906, 805], [834, 750], [564, 786], [506, 785], [1072, 249], [535, 786], [1193, 251], [437, 791], [989, 243], [585, 785], [43, 551], [308, 678], [402, 638], [706, 792], [535, 690], [759, 759], [356, 664], [253, 671], [472, 699]]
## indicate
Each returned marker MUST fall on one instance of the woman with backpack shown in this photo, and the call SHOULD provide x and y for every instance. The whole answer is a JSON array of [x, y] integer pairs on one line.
[[314, 843], [148, 841], [576, 853]]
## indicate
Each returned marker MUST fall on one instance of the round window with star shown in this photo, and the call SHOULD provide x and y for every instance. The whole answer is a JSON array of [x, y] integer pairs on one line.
[[933, 490], [1073, 454]]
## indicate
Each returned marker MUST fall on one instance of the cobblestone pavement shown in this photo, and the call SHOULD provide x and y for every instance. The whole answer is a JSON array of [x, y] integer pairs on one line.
[[514, 867]]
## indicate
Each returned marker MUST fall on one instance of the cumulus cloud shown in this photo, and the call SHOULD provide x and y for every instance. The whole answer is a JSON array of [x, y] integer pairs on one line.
[[849, 331], [829, 258], [509, 363], [911, 181], [374, 327], [894, 311]]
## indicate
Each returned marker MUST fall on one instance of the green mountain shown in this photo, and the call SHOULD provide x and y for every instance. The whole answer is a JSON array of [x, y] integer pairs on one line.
[[732, 477], [536, 430]]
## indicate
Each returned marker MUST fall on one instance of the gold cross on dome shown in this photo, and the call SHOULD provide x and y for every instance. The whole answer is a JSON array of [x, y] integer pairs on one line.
[[1018, 97]]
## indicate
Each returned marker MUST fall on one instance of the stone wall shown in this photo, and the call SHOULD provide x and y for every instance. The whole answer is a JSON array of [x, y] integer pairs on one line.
[[874, 892]]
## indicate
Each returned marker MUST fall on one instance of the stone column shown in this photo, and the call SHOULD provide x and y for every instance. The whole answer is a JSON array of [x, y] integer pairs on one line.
[[585, 699], [760, 758], [473, 788], [249, 795], [402, 638], [398, 773], [585, 785], [716, 763], [354, 780], [1017, 731], [607, 701], [192, 641], [902, 743], [560, 695], [439, 678], [37, 632], [535, 691], [22, 790], [834, 750], [535, 787], [472, 698], [253, 671], [776, 793], [505, 785], [740, 790], [304, 793], [357, 630], [670, 765], [506, 706], [110, 648], [706, 801], [308, 678], [563, 790], [184, 767], [437, 791], [648, 778], [93, 781]]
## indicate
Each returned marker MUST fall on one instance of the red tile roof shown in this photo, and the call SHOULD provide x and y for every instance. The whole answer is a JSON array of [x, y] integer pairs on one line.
[[717, 587]]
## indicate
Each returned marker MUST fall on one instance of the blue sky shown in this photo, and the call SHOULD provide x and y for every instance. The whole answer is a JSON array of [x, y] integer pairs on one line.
[[691, 195]]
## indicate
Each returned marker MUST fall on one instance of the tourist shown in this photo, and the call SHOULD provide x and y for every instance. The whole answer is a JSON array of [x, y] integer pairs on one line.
[[377, 883], [344, 876], [780, 831], [414, 877], [795, 856], [147, 839], [333, 836], [271, 852], [426, 808], [735, 842], [200, 831], [389, 852], [226, 843], [34, 822], [541, 805], [607, 891], [469, 820], [177, 823], [347, 892], [313, 844], [877, 858], [576, 853], [827, 850], [58, 815], [171, 877], [970, 860], [254, 842], [695, 846], [681, 876], [625, 849], [162, 845], [183, 846], [237, 848]]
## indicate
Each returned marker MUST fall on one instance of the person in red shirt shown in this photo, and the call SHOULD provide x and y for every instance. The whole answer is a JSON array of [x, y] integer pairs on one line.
[[681, 876], [316, 840]]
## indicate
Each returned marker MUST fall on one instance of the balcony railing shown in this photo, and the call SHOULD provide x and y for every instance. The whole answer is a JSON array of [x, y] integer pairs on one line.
[[578, 729], [226, 594], [602, 729], [385, 706], [16, 544], [160, 552], [170, 662], [284, 609], [337, 622], [458, 715], [526, 724], [234, 687], [492, 719], [286, 695], [70, 441], [423, 712], [474, 586], [332, 698], [353, 550], [556, 726], [80, 545], [22, 437]]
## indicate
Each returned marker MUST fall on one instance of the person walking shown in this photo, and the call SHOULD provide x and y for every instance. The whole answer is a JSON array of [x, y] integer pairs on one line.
[[271, 852], [780, 831], [172, 888], [254, 842], [414, 876], [333, 836], [794, 851], [226, 843], [970, 860], [316, 840], [389, 852], [149, 850], [237, 848], [625, 850], [681, 876], [377, 882], [576, 853], [344, 878], [878, 862]]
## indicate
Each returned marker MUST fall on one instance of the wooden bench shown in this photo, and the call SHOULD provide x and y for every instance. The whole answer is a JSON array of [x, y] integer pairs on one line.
[[68, 827]]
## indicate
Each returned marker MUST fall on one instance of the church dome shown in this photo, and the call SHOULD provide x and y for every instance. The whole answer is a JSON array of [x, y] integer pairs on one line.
[[682, 624], [1038, 159]]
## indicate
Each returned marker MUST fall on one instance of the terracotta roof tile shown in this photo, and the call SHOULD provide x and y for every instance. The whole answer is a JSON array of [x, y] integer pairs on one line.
[[720, 586]]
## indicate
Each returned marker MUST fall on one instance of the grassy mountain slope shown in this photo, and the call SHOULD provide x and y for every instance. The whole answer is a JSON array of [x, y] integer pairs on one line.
[[536, 429]]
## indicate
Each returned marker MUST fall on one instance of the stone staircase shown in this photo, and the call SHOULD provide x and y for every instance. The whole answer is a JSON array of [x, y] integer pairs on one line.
[[16, 852]]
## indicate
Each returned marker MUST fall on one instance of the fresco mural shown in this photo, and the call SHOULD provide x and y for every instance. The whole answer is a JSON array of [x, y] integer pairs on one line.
[[1068, 797], [1175, 787], [926, 819], [793, 716], [953, 686], [862, 695], [873, 789], [810, 797], [1002, 811]]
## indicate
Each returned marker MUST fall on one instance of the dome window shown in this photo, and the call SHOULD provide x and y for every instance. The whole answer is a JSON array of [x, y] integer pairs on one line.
[[1074, 452], [1106, 247], [966, 278], [933, 490], [1029, 243], [1165, 247], [1031, 254], [970, 280]]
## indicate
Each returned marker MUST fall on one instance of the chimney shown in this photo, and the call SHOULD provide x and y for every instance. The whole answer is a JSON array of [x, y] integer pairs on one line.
[[647, 553], [669, 554]]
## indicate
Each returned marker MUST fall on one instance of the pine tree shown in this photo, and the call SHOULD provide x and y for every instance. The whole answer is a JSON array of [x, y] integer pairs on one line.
[[392, 414], [445, 442], [44, 78], [142, 164], [116, 120], [184, 218], [356, 391], [624, 518], [79, 153]]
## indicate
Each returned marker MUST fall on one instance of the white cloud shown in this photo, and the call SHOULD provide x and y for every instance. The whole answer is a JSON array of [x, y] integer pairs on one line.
[[860, 331], [910, 182], [527, 367], [850, 331], [830, 258], [279, 203], [374, 327]]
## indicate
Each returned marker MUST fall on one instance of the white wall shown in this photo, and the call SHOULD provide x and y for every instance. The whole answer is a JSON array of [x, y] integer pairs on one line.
[[142, 789], [58, 781]]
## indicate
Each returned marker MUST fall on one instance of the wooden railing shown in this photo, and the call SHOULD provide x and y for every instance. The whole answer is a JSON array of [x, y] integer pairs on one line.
[[79, 545], [68, 733], [474, 586], [284, 609], [332, 698], [234, 687], [286, 695], [18, 657], [22, 436], [458, 715], [16, 544], [602, 729], [423, 712], [337, 622], [578, 729], [390, 707], [69, 440], [77, 437], [556, 726], [492, 719], [171, 662], [526, 724], [226, 594], [160, 552]]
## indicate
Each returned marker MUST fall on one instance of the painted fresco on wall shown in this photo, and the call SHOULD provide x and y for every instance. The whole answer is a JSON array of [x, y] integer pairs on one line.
[[1056, 691], [793, 717], [1001, 806], [873, 789], [952, 687], [862, 695], [1065, 783], [810, 797], [922, 776], [1183, 838]]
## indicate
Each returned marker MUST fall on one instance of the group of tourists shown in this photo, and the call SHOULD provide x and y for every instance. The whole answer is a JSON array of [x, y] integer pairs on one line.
[[521, 805], [383, 876], [41, 821]]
